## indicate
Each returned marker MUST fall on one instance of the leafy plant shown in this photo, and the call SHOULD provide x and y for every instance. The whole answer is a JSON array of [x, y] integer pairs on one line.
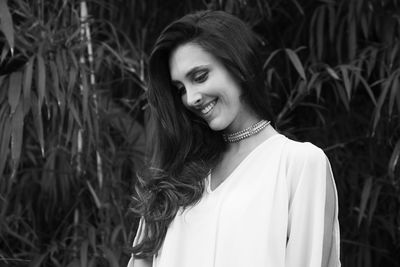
[[72, 117], [69, 145]]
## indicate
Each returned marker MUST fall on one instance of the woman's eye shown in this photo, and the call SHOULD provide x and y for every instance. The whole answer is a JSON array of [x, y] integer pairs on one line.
[[179, 87], [181, 90], [200, 77]]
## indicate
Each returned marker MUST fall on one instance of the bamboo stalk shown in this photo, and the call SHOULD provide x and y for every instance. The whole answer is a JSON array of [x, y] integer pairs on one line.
[[80, 130], [75, 234], [92, 84], [85, 33], [79, 152]]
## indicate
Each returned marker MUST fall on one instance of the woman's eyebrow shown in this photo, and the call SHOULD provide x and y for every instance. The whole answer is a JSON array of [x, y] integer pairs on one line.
[[195, 69], [191, 72]]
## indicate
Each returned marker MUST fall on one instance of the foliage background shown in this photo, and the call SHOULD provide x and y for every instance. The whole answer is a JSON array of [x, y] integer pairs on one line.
[[73, 117]]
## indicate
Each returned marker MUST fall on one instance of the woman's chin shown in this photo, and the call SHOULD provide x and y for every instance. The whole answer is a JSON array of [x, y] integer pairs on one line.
[[216, 125]]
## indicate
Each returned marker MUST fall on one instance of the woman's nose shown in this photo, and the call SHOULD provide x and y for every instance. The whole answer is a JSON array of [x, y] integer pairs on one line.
[[193, 98]]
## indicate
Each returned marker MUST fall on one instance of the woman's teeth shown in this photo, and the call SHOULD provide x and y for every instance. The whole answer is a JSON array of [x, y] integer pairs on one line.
[[208, 108]]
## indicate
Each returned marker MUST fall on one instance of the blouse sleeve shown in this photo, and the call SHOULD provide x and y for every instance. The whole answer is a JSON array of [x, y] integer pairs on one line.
[[137, 239], [313, 227]]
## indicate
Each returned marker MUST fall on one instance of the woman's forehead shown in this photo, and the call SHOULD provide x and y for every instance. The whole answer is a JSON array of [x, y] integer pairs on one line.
[[187, 57]]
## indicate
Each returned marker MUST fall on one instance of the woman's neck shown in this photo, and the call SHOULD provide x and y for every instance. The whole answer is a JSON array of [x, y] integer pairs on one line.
[[252, 141]]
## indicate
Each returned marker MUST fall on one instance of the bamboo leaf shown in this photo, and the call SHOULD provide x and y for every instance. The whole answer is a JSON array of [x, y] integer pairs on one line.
[[111, 257], [271, 56], [332, 21], [71, 82], [343, 96], [367, 88], [17, 127], [320, 32], [115, 233], [94, 195], [2, 78], [70, 129], [371, 62], [85, 96], [364, 26], [14, 90], [72, 56], [346, 81], [56, 81], [364, 199], [311, 34], [398, 100], [41, 79], [298, 6], [90, 126], [302, 87], [332, 73], [60, 66], [388, 30], [38, 121], [318, 87], [296, 63], [393, 54], [4, 52], [381, 100], [395, 90], [7, 24], [37, 261], [373, 202], [5, 135], [92, 237], [312, 81], [339, 40], [352, 46], [75, 114], [394, 158], [84, 253], [27, 84], [17, 236], [60, 72], [270, 75]]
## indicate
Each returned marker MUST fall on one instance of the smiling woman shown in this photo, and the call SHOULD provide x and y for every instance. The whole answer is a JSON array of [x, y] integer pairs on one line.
[[208, 89], [223, 187]]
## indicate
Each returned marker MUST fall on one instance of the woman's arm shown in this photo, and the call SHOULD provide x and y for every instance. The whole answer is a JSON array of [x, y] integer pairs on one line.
[[139, 262], [313, 228]]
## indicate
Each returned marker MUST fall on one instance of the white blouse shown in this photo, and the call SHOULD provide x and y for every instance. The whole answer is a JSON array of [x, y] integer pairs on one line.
[[278, 208]]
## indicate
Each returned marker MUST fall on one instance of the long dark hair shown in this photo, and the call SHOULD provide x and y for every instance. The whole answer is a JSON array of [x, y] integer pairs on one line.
[[183, 147]]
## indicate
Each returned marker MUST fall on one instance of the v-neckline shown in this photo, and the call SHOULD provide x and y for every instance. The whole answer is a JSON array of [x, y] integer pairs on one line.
[[208, 181]]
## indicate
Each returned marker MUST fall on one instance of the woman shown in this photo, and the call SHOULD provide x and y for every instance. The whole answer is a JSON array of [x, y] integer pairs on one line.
[[224, 188]]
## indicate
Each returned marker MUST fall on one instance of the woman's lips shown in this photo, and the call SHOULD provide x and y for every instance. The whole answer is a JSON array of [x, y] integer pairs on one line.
[[207, 109]]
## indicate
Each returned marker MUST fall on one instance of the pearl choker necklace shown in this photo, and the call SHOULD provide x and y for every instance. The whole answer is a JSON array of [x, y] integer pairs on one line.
[[243, 134]]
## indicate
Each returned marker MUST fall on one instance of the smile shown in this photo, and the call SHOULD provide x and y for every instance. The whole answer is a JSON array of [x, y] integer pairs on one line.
[[208, 108]]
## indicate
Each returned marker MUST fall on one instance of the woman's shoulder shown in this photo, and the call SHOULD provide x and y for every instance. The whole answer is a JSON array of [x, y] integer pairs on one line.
[[301, 152], [305, 162]]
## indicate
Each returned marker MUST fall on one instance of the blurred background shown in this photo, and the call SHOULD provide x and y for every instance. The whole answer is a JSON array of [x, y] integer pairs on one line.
[[73, 117]]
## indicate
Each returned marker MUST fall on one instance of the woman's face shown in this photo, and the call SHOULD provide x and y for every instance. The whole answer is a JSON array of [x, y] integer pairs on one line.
[[208, 89]]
